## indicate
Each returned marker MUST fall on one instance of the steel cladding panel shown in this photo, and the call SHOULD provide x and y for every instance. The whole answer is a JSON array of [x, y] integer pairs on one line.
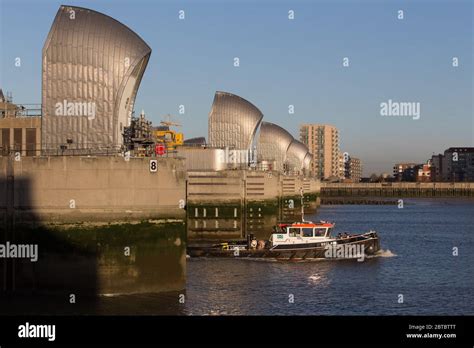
[[273, 144], [297, 152], [233, 121], [91, 71], [307, 161]]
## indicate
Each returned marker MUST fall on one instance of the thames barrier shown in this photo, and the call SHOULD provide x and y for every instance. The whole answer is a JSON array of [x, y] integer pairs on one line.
[[87, 181]]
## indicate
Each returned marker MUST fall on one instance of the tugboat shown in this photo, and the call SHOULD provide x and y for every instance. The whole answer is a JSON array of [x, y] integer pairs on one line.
[[297, 241]]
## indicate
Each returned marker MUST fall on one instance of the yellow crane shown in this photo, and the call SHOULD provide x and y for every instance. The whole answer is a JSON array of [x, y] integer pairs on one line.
[[165, 135]]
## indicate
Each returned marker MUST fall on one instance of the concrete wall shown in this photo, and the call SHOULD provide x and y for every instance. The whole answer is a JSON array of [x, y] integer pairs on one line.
[[200, 158], [100, 224], [230, 204], [211, 186], [77, 189], [239, 185]]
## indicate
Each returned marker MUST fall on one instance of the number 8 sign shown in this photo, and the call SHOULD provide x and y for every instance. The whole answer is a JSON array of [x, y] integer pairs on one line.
[[153, 166]]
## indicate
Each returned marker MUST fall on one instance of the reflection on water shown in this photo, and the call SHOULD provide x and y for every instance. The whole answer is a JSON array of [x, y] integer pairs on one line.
[[252, 287], [417, 261]]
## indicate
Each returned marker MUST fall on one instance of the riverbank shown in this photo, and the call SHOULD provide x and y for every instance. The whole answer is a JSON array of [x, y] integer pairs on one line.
[[398, 189]]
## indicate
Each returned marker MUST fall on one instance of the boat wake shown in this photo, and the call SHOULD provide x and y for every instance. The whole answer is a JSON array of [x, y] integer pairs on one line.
[[383, 253], [314, 277]]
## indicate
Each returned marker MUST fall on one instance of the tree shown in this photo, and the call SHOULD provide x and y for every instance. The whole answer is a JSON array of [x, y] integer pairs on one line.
[[374, 177]]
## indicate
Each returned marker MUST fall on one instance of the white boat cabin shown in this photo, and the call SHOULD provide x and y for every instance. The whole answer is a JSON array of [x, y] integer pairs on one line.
[[302, 233]]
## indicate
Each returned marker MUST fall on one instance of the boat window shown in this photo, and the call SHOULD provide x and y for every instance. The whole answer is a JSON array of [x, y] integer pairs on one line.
[[319, 232], [307, 232], [294, 232]]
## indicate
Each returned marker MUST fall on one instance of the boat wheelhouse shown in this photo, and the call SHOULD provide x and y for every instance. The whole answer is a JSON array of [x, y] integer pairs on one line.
[[306, 234]]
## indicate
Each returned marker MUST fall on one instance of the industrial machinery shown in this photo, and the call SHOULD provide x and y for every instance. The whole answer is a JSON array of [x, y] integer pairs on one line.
[[164, 135], [143, 140], [139, 136]]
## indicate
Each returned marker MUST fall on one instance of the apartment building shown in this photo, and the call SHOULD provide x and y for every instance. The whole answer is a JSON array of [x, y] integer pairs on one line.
[[323, 143]]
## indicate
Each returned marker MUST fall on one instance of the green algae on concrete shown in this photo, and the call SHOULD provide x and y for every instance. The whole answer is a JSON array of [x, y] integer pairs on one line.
[[103, 258]]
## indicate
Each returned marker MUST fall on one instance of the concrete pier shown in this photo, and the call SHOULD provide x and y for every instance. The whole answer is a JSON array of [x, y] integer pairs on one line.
[[75, 189], [245, 202], [108, 225], [103, 225]]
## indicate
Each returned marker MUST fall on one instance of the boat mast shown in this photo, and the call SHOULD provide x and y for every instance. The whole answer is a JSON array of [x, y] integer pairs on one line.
[[302, 205]]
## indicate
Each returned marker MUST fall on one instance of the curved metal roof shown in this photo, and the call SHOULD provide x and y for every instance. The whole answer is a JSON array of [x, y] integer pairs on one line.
[[297, 152], [91, 59], [195, 141], [307, 161], [233, 121], [273, 144]]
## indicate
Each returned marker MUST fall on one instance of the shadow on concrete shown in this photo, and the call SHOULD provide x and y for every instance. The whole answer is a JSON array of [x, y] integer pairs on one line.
[[83, 270], [63, 279]]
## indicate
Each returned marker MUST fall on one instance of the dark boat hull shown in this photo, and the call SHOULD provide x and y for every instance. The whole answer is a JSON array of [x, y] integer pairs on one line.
[[369, 243]]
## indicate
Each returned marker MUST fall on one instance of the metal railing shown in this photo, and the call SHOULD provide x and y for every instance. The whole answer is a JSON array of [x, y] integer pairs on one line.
[[23, 110]]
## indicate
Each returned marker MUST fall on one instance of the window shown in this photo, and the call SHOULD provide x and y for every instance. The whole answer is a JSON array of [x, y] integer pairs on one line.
[[278, 229], [30, 141], [17, 139], [319, 232], [294, 232], [307, 232], [5, 145]]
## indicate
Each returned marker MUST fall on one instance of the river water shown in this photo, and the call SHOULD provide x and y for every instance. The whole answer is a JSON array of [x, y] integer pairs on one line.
[[416, 274]]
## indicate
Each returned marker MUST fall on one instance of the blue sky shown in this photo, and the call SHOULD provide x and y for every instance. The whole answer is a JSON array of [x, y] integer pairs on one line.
[[285, 62]]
